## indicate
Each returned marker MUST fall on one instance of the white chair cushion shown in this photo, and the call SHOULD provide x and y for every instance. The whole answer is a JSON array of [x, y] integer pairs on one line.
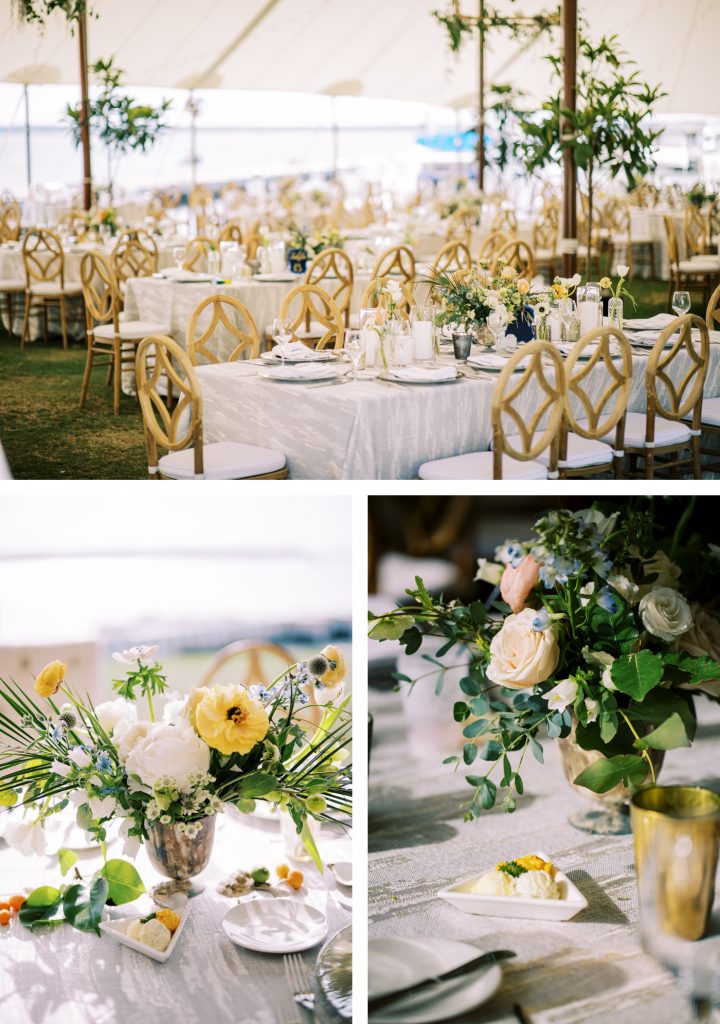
[[581, 452], [11, 284], [123, 317], [131, 330], [544, 255], [710, 412], [666, 431], [697, 266], [479, 466], [50, 288], [224, 460]]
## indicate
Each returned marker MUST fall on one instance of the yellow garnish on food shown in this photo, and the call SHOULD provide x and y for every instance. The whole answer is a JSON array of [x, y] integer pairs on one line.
[[282, 870], [295, 879], [533, 863], [168, 917]]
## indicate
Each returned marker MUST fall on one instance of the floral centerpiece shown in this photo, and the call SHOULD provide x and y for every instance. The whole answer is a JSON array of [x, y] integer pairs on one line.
[[618, 292], [102, 217], [595, 641], [468, 298], [386, 317], [463, 207], [219, 745], [315, 243]]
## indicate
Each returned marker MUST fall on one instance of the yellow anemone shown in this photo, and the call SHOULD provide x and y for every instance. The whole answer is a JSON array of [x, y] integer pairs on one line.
[[229, 720], [336, 666], [48, 682]]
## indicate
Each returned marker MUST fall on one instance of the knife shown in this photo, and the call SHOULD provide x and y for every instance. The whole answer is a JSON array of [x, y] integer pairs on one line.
[[380, 1002]]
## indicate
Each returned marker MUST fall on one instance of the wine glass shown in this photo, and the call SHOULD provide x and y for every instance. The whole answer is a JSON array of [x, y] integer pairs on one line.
[[281, 334], [681, 302], [354, 348], [566, 312], [178, 255]]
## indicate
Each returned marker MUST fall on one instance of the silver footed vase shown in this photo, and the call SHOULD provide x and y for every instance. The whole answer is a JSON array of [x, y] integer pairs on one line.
[[179, 856]]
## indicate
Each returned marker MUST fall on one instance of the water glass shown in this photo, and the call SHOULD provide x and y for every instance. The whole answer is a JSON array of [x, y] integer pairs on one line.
[[354, 348], [178, 255], [681, 303]]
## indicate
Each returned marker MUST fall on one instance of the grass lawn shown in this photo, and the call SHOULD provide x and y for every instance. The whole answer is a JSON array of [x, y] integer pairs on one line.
[[46, 436]]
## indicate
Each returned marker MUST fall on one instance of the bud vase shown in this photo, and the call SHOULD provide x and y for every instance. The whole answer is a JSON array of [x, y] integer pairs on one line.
[[615, 313], [179, 856]]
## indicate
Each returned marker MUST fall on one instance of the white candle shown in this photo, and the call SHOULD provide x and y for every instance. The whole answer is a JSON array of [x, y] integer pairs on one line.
[[403, 349], [422, 340], [277, 261], [588, 316], [370, 344], [555, 328]]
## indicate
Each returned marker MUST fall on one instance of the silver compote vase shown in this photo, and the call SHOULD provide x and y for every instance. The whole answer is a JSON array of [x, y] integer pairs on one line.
[[181, 857]]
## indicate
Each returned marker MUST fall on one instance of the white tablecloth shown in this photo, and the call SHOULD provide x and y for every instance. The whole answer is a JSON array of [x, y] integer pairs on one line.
[[368, 430], [63, 976]]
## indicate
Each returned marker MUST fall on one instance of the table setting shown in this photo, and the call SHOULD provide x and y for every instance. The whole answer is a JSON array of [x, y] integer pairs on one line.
[[582, 680], [198, 857]]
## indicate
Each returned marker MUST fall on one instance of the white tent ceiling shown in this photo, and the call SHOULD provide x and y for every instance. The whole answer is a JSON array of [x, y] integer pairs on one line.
[[386, 48]]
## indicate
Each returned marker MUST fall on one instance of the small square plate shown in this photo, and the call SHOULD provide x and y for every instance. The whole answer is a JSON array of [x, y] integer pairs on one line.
[[570, 903], [114, 929]]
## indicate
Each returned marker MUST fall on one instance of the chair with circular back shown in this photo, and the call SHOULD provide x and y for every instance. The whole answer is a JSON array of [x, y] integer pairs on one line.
[[545, 239], [375, 296], [260, 662], [44, 261], [229, 320], [491, 245], [397, 261], [180, 432], [518, 255], [114, 340], [696, 274], [534, 377], [309, 302], [452, 256], [196, 253], [9, 220], [695, 232], [712, 313], [135, 255], [504, 220], [232, 232], [333, 270]]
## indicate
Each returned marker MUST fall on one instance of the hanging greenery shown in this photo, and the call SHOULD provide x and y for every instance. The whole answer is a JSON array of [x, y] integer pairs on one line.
[[117, 120], [38, 11], [461, 27], [505, 101]]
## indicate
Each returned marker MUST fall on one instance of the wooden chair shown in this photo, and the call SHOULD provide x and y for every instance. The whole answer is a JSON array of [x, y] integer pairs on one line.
[[310, 302], [495, 241], [710, 410], [373, 297], [545, 236], [712, 313], [333, 269], [661, 430], [514, 454], [10, 289], [196, 252], [135, 255], [453, 256], [593, 426], [44, 261], [260, 662], [504, 220], [180, 432], [618, 221], [253, 240], [687, 275], [695, 232], [109, 337], [202, 204], [517, 254], [398, 261], [246, 336], [232, 232], [9, 220]]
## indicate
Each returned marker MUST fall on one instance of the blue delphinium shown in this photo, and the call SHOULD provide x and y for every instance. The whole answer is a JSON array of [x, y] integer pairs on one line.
[[607, 599], [541, 621]]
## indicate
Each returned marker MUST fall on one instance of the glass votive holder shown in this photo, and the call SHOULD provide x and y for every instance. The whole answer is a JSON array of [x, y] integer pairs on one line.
[[422, 324], [462, 345]]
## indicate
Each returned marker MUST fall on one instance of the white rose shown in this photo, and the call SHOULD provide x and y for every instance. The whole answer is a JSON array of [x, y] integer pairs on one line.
[[665, 613], [113, 712], [127, 735], [592, 707], [520, 656], [172, 750], [622, 271], [625, 587], [561, 695]]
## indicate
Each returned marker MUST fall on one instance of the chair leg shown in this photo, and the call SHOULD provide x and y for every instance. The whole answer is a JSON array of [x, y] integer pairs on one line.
[[26, 321], [10, 311], [86, 375], [697, 468], [45, 322], [63, 322], [649, 464], [117, 370]]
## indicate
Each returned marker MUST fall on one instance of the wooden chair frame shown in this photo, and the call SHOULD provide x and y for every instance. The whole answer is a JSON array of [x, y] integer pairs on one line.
[[321, 309], [695, 232], [44, 262], [505, 220], [10, 221], [595, 413], [682, 280], [509, 387], [135, 255], [372, 299], [545, 237], [246, 336], [232, 232], [252, 650], [712, 313], [454, 255], [333, 270], [398, 261], [490, 246], [195, 250], [519, 255]]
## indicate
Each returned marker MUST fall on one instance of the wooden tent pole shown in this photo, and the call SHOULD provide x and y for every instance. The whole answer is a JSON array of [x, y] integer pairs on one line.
[[85, 111], [569, 243], [481, 97]]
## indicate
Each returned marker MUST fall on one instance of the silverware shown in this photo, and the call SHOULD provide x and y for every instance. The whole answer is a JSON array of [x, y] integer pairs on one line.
[[331, 383], [486, 960], [298, 981]]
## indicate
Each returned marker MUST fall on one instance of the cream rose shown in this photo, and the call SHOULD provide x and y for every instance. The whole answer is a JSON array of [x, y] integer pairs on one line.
[[702, 640], [168, 750], [520, 656], [665, 613], [114, 714]]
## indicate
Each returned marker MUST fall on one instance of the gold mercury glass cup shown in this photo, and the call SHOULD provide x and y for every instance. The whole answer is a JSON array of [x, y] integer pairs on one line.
[[676, 830]]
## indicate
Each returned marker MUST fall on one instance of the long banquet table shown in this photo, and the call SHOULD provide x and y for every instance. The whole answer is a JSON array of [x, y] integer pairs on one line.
[[590, 970], [367, 429], [64, 976]]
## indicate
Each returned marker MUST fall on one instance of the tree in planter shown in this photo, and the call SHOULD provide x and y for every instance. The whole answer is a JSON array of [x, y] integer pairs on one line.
[[607, 129], [121, 123]]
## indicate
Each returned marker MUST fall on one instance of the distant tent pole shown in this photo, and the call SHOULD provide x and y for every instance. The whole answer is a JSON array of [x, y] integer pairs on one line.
[[193, 109], [28, 163], [569, 243], [85, 111], [335, 137], [481, 97]]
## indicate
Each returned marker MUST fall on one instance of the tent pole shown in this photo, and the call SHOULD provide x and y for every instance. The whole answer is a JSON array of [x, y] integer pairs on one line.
[[569, 244], [335, 139], [192, 107], [481, 97], [28, 162], [85, 111]]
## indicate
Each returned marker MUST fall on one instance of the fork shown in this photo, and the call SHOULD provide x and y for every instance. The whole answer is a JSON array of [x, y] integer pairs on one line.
[[297, 979], [287, 1014]]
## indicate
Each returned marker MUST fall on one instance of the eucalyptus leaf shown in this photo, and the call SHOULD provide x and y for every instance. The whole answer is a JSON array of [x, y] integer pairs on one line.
[[470, 752]]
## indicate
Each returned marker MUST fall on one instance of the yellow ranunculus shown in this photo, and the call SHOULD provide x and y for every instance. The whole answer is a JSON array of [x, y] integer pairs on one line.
[[48, 682], [229, 720], [605, 282], [336, 670], [193, 700], [523, 286]]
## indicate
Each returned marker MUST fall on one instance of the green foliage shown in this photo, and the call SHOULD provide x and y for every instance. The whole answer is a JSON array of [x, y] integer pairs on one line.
[[40, 905], [66, 859], [637, 674], [38, 11], [460, 28], [604, 774], [124, 883], [83, 906]]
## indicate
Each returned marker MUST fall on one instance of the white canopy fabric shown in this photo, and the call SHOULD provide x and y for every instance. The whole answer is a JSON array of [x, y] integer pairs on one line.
[[380, 48]]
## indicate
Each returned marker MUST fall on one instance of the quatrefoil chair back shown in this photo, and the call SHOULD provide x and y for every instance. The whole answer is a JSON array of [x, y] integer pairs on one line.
[[517, 254], [226, 320], [545, 236], [712, 314], [310, 303], [196, 253], [494, 242], [44, 261], [135, 255], [397, 261], [534, 377], [454, 255], [674, 381], [374, 297], [232, 232], [180, 432], [504, 220], [688, 274], [333, 268], [114, 340], [695, 230], [9, 220], [253, 661]]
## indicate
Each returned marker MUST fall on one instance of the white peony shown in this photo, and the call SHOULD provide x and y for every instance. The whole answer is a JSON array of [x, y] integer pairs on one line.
[[115, 712], [665, 613], [521, 656], [127, 735], [175, 710], [168, 750], [561, 695], [625, 587], [28, 837]]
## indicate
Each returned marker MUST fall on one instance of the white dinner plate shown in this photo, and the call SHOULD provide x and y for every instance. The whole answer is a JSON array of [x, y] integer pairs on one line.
[[314, 357], [280, 278], [292, 375], [395, 964], [423, 382], [343, 872], [280, 925], [494, 362], [114, 928], [571, 900]]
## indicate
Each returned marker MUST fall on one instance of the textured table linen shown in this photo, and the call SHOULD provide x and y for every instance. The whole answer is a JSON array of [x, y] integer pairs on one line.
[[63, 976], [589, 970], [368, 430]]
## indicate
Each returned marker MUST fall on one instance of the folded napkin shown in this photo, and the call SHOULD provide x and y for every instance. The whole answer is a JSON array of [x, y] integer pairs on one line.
[[310, 372], [294, 350], [656, 323], [423, 373], [493, 361]]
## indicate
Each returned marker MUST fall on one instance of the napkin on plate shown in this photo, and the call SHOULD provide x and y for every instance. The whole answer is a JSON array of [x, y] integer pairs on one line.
[[493, 361], [312, 371], [653, 323], [294, 350], [423, 373]]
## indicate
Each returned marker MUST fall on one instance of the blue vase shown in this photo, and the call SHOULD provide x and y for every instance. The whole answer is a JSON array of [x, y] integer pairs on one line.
[[523, 326], [297, 260]]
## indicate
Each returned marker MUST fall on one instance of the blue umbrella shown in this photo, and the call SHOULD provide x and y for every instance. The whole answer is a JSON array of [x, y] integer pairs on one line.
[[464, 142]]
